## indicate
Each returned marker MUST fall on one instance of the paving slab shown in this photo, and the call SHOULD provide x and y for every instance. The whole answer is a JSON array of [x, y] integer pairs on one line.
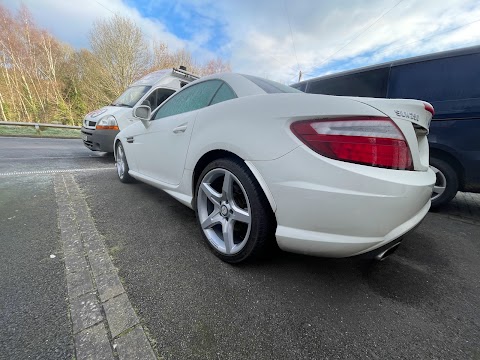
[[120, 314], [93, 344], [134, 346], [85, 312], [108, 286]]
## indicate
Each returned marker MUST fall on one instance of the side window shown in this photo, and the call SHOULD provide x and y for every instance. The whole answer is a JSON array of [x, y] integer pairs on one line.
[[192, 98], [453, 78], [223, 94], [372, 83], [157, 97]]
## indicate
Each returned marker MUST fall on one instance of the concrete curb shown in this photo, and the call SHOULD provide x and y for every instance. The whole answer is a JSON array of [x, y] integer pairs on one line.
[[104, 323]]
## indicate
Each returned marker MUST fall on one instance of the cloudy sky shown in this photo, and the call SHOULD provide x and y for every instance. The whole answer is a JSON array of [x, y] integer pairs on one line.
[[277, 38]]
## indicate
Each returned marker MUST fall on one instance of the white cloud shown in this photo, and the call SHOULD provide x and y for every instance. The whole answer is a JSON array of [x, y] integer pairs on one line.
[[71, 21], [264, 44], [257, 33]]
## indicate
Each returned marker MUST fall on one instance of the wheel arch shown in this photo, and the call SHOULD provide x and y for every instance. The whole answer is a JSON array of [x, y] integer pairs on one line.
[[453, 161], [115, 148], [213, 155]]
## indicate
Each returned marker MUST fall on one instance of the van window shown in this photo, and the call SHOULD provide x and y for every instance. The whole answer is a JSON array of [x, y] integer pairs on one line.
[[453, 78], [131, 96], [372, 83], [157, 97]]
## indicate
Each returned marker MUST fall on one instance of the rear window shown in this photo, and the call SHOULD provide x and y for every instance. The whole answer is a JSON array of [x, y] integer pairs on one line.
[[372, 83], [300, 86], [271, 87]]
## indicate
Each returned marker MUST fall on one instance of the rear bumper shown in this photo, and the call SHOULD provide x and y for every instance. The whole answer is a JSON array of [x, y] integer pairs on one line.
[[99, 140], [336, 245], [337, 209]]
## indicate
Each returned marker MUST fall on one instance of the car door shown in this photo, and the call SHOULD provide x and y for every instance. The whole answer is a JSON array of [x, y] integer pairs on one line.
[[161, 147]]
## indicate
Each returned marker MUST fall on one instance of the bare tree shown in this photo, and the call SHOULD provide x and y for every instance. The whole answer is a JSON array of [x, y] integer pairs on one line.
[[164, 59], [215, 66], [42, 79], [29, 60], [121, 51]]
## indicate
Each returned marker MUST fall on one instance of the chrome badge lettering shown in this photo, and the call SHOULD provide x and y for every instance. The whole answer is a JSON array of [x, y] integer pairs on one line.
[[407, 115]]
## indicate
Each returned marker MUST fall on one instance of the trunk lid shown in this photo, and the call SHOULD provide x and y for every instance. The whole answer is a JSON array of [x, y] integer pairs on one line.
[[414, 111]]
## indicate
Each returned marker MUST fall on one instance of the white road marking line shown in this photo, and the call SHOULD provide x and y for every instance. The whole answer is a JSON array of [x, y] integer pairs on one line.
[[40, 172]]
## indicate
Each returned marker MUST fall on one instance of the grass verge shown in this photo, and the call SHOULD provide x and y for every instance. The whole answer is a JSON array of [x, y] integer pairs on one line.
[[44, 132]]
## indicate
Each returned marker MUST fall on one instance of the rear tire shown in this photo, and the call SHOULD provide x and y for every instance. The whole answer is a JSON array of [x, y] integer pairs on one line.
[[233, 213], [446, 184], [122, 165]]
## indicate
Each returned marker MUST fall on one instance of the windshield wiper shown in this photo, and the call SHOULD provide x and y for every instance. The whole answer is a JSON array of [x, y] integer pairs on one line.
[[121, 104]]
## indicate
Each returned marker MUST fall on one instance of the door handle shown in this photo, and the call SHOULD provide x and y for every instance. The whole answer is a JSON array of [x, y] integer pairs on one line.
[[180, 129]]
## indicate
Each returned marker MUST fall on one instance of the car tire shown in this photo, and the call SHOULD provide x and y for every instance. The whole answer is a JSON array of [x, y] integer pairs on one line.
[[446, 184], [122, 164], [233, 213]]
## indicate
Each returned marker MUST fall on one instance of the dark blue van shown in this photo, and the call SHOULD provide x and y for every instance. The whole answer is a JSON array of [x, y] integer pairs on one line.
[[450, 81]]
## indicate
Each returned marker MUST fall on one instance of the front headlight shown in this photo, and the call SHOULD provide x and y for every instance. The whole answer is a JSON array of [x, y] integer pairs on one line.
[[107, 123]]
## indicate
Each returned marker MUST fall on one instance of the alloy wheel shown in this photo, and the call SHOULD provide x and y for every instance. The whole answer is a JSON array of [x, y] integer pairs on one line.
[[120, 162], [440, 183], [224, 211]]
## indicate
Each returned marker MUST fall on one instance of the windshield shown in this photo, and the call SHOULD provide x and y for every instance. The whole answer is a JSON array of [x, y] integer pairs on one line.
[[271, 87], [131, 96]]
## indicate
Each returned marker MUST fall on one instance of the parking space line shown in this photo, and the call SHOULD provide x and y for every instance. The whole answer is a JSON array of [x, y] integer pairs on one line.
[[101, 313], [49, 172]]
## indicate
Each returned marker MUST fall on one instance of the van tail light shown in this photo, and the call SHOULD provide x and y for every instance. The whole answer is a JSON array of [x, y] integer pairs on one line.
[[366, 140]]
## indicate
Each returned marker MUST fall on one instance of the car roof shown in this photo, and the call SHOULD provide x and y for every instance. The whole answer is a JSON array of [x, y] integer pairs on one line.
[[239, 83], [159, 75], [421, 58]]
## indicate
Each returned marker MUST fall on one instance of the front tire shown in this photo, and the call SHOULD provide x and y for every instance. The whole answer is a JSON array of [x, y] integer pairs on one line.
[[122, 165], [232, 211], [446, 184]]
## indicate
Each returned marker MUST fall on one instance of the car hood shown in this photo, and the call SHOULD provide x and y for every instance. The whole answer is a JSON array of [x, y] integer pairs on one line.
[[95, 115], [91, 119]]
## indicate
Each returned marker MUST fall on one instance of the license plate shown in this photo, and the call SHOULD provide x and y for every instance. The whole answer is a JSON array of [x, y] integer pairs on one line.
[[84, 137]]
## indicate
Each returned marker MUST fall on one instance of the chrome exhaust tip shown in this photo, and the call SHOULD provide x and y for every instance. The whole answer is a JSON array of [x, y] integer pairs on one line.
[[386, 253]]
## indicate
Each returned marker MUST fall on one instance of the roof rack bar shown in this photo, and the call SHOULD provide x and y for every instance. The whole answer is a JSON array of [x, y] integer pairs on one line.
[[186, 73]]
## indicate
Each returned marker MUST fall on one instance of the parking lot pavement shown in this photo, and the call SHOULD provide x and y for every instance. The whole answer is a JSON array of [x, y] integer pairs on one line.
[[27, 155], [34, 320], [422, 302], [465, 206], [34, 309]]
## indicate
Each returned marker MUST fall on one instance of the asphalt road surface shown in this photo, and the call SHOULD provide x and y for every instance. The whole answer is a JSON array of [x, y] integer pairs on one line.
[[422, 302]]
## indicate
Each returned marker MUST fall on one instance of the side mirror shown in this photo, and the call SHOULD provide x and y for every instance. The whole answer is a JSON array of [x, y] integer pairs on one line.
[[143, 112]]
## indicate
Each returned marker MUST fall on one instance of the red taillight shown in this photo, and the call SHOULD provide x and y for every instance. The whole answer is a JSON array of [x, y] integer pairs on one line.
[[374, 141], [429, 108]]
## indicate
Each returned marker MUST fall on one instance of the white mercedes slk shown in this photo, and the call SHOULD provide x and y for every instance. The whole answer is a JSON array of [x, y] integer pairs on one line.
[[262, 163]]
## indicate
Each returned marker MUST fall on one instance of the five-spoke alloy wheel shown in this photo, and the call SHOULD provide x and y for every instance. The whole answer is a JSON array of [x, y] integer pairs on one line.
[[446, 183], [122, 164], [232, 211]]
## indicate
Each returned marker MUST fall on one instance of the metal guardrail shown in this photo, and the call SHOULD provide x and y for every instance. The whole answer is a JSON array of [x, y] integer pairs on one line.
[[39, 125]]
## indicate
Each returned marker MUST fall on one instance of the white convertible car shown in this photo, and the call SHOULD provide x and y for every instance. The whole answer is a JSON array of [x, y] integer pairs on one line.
[[261, 162]]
